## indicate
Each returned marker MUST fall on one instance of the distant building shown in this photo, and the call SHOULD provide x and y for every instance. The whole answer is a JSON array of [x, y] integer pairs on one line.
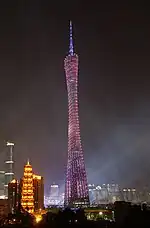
[[27, 191], [54, 195], [2, 181], [92, 193], [54, 190], [144, 195], [38, 189], [9, 167], [114, 192], [98, 194], [130, 195], [61, 199], [3, 207], [104, 194], [13, 196]]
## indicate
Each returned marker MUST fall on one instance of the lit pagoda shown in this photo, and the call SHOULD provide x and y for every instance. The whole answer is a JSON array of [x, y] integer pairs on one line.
[[27, 196]]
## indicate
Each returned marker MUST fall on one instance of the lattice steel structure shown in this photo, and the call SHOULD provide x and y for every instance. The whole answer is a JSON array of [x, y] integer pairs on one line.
[[76, 187]]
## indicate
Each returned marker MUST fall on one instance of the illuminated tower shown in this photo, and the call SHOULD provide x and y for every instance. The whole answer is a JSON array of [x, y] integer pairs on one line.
[[9, 167], [76, 187], [27, 194]]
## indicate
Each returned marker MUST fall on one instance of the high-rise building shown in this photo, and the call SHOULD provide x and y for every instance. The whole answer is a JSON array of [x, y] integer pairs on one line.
[[76, 187], [2, 181], [13, 196], [61, 199], [114, 192], [130, 195], [9, 167], [104, 194], [27, 192], [92, 193], [54, 194], [38, 185], [54, 190]]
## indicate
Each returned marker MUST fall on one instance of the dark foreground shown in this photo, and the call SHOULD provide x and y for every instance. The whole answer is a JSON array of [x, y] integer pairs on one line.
[[124, 216]]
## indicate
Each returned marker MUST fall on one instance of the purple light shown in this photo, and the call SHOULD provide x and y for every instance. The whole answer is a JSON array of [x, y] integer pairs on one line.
[[71, 40], [76, 187]]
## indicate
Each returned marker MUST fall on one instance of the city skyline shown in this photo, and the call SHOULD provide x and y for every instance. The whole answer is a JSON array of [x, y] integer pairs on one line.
[[113, 91]]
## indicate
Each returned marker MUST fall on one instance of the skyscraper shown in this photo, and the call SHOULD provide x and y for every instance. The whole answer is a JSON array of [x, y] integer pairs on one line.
[[76, 187], [27, 193], [54, 190], [2, 181], [54, 194], [13, 196], [9, 167], [38, 189]]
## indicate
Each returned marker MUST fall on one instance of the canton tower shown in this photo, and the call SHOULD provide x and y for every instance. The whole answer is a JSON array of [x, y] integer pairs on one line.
[[76, 187]]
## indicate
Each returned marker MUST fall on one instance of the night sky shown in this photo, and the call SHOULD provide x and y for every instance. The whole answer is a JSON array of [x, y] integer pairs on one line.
[[113, 44]]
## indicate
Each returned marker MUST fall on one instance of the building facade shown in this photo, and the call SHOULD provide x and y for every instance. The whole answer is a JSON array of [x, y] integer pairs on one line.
[[130, 195], [104, 194], [9, 167], [38, 186], [3, 208], [13, 196], [54, 195], [2, 182]]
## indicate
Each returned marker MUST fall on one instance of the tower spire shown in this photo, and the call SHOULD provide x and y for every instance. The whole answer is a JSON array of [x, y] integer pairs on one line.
[[71, 40], [28, 161]]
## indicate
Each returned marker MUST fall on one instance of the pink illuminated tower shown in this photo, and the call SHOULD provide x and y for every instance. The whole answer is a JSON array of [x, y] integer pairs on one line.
[[76, 187]]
